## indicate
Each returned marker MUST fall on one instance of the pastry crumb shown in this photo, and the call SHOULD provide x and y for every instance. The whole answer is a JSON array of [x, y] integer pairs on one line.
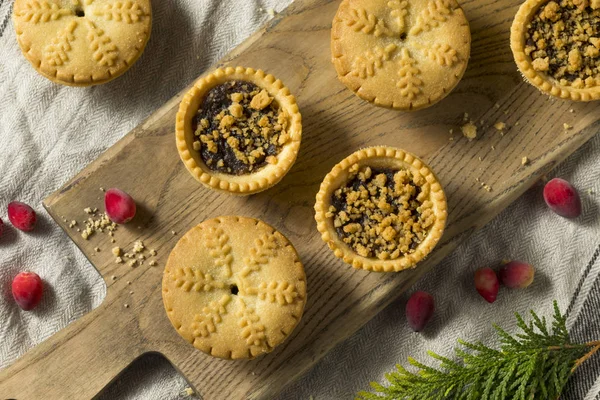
[[153, 252], [118, 260], [138, 246], [132, 263], [116, 251], [102, 189], [153, 263], [97, 249], [525, 160], [189, 391], [126, 305], [114, 278], [500, 126], [173, 233], [567, 126], [469, 130]]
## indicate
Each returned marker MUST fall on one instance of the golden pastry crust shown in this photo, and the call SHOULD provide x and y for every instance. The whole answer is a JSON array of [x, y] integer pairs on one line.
[[234, 287], [264, 177], [82, 42], [402, 54], [534, 70], [390, 159]]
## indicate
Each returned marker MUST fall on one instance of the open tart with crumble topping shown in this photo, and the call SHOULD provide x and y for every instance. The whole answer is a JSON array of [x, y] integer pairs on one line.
[[381, 209], [238, 130], [556, 44]]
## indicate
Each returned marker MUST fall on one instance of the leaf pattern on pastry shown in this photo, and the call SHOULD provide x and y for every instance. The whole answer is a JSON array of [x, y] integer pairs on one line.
[[437, 11], [409, 82], [252, 330], [281, 292], [104, 51], [127, 11], [399, 12], [187, 279], [57, 52], [264, 248], [217, 241], [360, 20], [367, 64], [443, 54], [42, 11], [206, 323]]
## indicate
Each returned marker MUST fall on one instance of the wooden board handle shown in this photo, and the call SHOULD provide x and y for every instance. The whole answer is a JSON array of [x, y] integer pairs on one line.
[[78, 361]]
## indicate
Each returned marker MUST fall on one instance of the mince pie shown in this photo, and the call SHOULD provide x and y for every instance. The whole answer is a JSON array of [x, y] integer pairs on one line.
[[381, 209], [238, 130]]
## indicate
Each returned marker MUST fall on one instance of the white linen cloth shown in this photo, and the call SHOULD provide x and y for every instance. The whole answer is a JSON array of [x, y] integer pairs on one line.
[[50, 132]]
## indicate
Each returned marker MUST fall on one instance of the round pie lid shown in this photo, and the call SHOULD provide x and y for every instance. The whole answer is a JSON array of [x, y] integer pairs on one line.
[[234, 287], [82, 42], [403, 54]]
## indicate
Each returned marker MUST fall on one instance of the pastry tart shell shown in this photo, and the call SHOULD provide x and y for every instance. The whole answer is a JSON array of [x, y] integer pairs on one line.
[[245, 184], [384, 158]]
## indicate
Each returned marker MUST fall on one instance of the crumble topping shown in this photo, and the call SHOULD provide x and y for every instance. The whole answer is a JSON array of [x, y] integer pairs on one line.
[[382, 213], [239, 128], [563, 40]]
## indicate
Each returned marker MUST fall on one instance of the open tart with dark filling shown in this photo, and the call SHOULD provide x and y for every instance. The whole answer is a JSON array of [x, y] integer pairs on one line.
[[556, 44], [238, 130], [381, 209]]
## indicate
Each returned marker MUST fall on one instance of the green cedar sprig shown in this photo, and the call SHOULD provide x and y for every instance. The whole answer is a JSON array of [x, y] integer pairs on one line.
[[536, 363]]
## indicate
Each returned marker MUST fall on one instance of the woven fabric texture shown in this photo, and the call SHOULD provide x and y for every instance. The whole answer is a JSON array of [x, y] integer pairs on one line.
[[49, 132]]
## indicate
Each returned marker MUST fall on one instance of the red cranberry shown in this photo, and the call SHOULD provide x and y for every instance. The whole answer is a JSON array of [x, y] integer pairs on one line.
[[27, 290], [120, 207], [21, 216], [486, 283], [419, 309], [516, 274], [562, 198]]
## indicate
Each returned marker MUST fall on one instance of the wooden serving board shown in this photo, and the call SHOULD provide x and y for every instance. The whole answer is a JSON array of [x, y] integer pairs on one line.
[[79, 361]]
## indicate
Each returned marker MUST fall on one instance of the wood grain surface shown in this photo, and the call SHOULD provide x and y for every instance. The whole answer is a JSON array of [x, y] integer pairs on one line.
[[81, 360]]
